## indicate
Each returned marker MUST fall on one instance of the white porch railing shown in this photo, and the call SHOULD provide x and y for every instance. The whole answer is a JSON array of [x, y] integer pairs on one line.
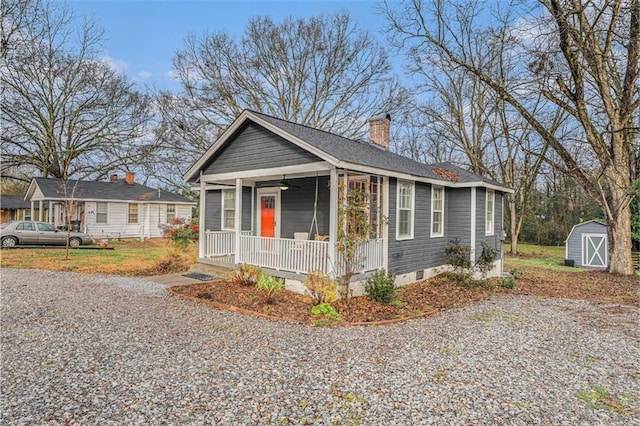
[[221, 243], [299, 256]]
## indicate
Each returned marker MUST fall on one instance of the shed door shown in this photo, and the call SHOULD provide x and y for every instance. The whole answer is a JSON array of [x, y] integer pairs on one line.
[[594, 250]]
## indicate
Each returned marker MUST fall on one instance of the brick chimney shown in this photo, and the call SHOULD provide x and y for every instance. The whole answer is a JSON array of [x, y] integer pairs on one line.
[[379, 130], [130, 178], [113, 178]]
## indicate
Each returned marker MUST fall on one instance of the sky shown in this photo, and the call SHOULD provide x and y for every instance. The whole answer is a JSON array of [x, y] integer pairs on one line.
[[141, 36]]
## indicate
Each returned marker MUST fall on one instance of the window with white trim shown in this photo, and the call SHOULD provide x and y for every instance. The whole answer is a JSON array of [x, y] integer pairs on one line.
[[102, 212], [171, 212], [437, 211], [405, 210], [228, 209], [490, 212], [132, 217]]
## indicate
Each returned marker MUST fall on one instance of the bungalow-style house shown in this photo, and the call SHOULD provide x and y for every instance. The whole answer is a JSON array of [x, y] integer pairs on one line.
[[270, 192], [14, 207], [118, 208]]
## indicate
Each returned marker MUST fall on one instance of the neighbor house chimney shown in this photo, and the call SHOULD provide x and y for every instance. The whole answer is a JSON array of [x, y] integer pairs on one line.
[[130, 178], [379, 129], [113, 178]]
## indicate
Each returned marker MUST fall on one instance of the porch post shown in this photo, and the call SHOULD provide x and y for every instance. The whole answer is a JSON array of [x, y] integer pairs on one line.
[[33, 211], [50, 214], [333, 221], [238, 220], [40, 212], [385, 226], [472, 237], [201, 228]]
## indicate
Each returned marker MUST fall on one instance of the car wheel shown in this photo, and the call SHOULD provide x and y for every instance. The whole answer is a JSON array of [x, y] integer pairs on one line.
[[9, 241], [74, 242]]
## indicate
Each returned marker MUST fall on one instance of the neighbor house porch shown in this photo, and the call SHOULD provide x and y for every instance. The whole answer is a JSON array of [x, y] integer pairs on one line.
[[288, 223]]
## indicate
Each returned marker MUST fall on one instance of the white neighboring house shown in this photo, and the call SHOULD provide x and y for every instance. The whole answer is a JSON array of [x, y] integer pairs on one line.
[[118, 208]]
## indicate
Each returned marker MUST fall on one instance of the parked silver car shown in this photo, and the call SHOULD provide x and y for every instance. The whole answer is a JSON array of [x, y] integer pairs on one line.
[[26, 232]]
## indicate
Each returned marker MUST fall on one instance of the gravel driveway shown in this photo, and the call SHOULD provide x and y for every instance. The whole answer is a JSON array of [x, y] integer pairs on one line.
[[87, 349]]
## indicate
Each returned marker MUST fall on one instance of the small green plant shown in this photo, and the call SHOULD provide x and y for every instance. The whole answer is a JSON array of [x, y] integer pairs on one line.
[[458, 256], [397, 303], [245, 274], [599, 398], [516, 273], [508, 282], [381, 286], [485, 261], [326, 310], [321, 288], [271, 285]]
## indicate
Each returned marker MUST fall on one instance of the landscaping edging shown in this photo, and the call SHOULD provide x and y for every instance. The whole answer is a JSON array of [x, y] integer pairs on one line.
[[231, 308]]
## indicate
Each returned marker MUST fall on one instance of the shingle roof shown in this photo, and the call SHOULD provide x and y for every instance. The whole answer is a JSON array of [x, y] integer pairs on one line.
[[14, 202], [97, 190], [366, 154]]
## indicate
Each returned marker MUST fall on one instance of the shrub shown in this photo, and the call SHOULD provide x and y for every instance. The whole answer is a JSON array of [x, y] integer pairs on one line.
[[326, 310], [516, 273], [508, 282], [486, 258], [245, 274], [458, 256], [271, 285], [321, 288], [381, 286]]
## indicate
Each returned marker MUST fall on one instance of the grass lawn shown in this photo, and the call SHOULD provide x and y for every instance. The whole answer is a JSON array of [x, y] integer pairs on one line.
[[532, 255], [128, 257]]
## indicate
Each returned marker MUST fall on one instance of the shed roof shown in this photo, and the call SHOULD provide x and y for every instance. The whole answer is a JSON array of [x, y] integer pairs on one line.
[[579, 225], [119, 190]]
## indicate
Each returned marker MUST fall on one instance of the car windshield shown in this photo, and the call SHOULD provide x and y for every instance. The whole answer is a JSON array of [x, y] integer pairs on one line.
[[46, 227]]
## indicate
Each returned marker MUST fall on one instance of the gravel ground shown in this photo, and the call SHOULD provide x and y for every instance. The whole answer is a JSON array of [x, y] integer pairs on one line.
[[89, 349]]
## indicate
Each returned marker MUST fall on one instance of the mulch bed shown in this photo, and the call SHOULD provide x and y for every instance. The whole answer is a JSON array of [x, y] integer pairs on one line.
[[416, 300]]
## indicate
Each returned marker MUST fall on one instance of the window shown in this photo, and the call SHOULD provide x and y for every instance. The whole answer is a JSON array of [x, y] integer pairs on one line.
[[404, 226], [101, 212], [45, 227], [171, 212], [228, 209], [133, 213], [437, 211], [491, 201], [26, 226], [27, 214]]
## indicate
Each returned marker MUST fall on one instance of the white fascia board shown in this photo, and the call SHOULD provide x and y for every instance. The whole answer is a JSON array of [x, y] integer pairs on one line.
[[275, 171], [242, 118], [407, 176]]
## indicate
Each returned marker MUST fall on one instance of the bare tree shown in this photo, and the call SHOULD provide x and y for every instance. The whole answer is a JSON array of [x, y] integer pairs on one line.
[[583, 59], [323, 72], [65, 111]]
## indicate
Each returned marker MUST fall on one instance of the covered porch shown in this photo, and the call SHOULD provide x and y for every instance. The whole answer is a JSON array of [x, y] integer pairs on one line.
[[287, 220]]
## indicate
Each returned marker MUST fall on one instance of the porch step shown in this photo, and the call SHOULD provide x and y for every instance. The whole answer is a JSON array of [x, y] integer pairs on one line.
[[215, 270]]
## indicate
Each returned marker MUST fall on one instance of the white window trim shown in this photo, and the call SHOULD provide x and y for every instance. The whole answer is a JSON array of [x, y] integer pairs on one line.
[[441, 233], [222, 192], [491, 224], [129, 213], [410, 236], [107, 221], [166, 213]]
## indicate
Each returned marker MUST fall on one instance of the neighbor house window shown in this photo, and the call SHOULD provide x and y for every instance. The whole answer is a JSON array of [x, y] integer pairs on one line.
[[133, 213], [101, 212], [171, 212], [491, 202], [437, 211], [404, 225], [228, 209]]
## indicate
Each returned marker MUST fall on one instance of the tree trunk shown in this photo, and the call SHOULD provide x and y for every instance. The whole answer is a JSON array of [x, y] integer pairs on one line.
[[619, 226], [513, 226]]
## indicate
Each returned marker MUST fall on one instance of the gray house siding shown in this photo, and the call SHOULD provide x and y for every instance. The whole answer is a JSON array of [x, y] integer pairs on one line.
[[297, 207], [458, 220], [213, 210], [574, 240], [422, 251], [257, 148], [495, 240]]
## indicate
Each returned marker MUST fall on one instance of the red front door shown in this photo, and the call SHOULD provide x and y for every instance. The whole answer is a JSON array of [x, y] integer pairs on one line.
[[268, 216]]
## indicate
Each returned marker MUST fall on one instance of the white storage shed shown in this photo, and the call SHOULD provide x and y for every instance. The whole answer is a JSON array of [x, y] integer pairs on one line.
[[587, 245]]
